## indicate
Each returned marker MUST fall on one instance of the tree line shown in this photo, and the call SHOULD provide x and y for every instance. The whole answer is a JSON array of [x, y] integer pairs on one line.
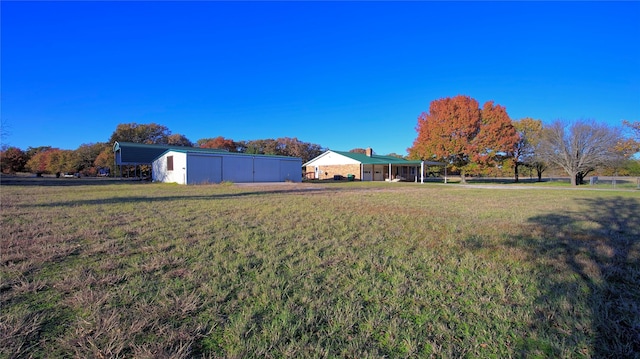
[[98, 158], [458, 132]]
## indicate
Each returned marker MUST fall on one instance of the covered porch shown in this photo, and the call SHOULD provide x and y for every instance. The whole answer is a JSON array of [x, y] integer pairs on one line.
[[406, 171]]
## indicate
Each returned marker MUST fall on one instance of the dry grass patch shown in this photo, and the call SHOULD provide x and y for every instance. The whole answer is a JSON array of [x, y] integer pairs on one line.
[[321, 270]]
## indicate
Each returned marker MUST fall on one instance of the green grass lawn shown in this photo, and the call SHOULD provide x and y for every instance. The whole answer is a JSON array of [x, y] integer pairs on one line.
[[362, 270]]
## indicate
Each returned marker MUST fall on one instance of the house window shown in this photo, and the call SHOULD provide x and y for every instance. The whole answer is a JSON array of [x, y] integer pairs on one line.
[[169, 163]]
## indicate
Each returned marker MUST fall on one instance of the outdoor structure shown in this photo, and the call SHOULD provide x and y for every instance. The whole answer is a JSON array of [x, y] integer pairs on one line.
[[137, 155], [192, 165], [366, 167], [197, 166]]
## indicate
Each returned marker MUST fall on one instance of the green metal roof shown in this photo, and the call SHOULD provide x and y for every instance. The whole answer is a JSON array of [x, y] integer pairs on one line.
[[213, 150], [376, 159], [140, 153], [128, 153]]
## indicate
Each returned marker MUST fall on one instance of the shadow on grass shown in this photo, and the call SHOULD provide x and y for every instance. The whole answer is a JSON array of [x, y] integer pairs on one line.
[[64, 182], [601, 249], [212, 196]]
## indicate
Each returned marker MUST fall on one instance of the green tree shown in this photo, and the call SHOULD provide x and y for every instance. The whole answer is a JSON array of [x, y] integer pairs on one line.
[[31, 151], [141, 133], [267, 146], [528, 131], [85, 156], [61, 161]]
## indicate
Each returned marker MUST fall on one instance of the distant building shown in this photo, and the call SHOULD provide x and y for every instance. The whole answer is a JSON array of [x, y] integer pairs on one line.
[[365, 167], [192, 165]]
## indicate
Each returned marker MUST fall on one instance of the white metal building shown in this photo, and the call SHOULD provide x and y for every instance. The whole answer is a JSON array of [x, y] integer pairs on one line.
[[195, 166]]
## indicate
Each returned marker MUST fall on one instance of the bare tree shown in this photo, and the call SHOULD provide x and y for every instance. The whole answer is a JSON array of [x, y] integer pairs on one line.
[[579, 147]]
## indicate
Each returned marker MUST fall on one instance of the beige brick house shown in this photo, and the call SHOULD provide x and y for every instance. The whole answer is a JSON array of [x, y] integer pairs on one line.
[[364, 167]]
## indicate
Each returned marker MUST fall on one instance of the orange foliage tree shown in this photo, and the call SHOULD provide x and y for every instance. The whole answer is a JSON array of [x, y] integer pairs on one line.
[[457, 132], [219, 143]]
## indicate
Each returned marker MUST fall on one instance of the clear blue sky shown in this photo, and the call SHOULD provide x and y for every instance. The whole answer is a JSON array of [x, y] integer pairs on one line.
[[339, 74]]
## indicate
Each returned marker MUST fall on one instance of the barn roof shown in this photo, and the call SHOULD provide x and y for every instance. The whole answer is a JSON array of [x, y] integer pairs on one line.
[[218, 151], [128, 153], [377, 159]]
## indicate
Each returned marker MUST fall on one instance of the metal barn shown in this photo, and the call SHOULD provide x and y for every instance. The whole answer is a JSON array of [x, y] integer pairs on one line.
[[196, 166]]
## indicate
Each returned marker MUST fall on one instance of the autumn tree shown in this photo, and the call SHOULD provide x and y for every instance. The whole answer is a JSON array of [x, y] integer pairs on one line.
[[293, 147], [61, 161], [179, 140], [219, 143], [497, 138], [39, 162], [579, 147], [38, 159], [85, 156], [447, 131], [457, 132], [631, 144], [105, 159], [12, 160]]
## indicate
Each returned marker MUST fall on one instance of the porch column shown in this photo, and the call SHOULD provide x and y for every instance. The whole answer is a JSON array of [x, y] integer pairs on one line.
[[389, 172], [422, 172]]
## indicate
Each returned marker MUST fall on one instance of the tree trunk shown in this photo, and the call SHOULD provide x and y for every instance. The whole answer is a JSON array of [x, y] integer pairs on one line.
[[463, 176], [574, 178], [515, 170]]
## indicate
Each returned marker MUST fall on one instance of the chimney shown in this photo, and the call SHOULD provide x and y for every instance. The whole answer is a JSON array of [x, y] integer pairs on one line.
[[369, 152]]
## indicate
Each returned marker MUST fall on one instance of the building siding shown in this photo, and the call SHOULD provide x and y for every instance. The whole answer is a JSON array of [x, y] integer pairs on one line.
[[200, 168], [328, 171]]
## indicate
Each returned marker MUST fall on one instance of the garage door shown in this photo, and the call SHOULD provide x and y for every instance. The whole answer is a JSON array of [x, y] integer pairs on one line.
[[204, 169], [267, 169], [237, 169]]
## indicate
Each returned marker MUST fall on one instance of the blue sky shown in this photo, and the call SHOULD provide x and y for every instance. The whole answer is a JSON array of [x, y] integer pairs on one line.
[[339, 74]]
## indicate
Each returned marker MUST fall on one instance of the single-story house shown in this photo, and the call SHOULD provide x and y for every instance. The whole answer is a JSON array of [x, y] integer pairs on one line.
[[190, 165], [366, 167]]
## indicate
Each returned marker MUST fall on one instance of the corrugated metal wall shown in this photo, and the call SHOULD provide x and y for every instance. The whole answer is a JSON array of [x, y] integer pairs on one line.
[[204, 169], [215, 168]]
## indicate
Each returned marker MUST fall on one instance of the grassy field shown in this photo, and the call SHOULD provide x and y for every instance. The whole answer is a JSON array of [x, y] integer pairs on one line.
[[357, 270]]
